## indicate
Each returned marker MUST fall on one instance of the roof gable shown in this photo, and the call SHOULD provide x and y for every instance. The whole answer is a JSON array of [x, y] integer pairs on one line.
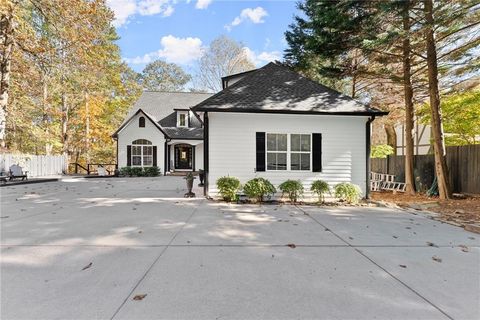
[[159, 107], [276, 88], [149, 117]]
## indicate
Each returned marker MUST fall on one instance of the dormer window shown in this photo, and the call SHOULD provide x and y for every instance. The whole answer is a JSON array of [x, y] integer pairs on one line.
[[182, 118]]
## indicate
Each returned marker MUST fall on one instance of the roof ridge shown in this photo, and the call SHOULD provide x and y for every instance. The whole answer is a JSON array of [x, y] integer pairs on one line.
[[162, 91]]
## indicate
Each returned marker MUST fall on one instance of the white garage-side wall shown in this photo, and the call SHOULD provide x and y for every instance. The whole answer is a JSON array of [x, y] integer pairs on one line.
[[232, 147], [132, 132], [199, 157]]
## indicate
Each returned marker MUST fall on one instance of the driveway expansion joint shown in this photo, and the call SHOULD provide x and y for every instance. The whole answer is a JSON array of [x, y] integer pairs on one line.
[[154, 263], [377, 265]]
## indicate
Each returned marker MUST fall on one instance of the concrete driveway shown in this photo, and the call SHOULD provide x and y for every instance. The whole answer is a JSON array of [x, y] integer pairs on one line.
[[83, 249]]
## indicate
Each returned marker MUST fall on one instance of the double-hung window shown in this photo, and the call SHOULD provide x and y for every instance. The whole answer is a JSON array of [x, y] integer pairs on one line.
[[289, 151], [142, 153], [300, 151], [277, 151]]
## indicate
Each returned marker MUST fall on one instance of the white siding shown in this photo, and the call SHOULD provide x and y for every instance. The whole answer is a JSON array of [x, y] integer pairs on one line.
[[232, 148], [199, 157], [133, 132]]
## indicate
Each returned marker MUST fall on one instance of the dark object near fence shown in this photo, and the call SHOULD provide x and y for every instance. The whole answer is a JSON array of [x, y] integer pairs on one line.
[[201, 176], [463, 164], [93, 168], [17, 172]]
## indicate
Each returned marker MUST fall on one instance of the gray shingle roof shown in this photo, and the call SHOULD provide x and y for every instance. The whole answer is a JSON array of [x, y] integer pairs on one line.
[[183, 132], [160, 104], [277, 88], [160, 107]]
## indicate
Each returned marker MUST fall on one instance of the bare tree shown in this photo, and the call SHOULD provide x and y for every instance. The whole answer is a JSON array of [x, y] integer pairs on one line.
[[224, 57]]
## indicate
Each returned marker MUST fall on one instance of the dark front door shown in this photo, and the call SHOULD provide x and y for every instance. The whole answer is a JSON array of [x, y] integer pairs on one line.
[[183, 157]]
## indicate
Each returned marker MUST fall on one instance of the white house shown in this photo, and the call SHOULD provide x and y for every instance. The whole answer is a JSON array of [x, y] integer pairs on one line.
[[270, 122], [161, 130], [274, 123]]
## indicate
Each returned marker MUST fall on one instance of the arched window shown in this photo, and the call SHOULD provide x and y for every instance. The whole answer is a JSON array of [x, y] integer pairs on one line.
[[142, 153], [141, 122]]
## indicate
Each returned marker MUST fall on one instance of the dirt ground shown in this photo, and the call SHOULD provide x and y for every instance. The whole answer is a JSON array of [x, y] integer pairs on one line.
[[461, 211]]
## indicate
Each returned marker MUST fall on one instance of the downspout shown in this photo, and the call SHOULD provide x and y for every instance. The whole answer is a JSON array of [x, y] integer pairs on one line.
[[116, 162], [368, 130], [205, 153], [165, 156]]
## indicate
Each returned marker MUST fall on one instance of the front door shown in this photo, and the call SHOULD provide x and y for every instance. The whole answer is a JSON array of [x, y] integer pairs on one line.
[[183, 157]]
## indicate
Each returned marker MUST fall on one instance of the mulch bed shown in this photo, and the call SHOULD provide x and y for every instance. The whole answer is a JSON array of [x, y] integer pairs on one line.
[[460, 211]]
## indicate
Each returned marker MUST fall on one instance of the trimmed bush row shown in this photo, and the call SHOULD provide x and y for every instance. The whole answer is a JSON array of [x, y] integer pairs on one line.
[[260, 189], [140, 172]]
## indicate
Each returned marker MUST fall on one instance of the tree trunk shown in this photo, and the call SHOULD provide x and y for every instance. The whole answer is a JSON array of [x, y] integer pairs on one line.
[[441, 169], [65, 138], [6, 38], [408, 93], [391, 136], [87, 128], [46, 113]]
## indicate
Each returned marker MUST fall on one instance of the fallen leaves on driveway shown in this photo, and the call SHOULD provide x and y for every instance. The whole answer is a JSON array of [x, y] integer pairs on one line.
[[464, 248], [291, 245], [435, 258], [87, 266], [139, 297], [402, 266]]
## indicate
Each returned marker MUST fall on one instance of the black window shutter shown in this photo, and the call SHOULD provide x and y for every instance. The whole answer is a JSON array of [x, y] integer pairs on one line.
[[129, 156], [317, 152], [154, 156], [260, 151]]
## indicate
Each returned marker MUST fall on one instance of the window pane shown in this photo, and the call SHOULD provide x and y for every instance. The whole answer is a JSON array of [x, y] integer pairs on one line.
[[271, 161], [305, 142], [305, 165], [281, 142], [295, 142], [137, 160], [182, 120], [271, 142], [295, 161], [147, 151], [136, 150], [147, 160], [281, 161]]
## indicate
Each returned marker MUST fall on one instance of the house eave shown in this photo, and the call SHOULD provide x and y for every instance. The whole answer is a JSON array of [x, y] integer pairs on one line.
[[305, 112]]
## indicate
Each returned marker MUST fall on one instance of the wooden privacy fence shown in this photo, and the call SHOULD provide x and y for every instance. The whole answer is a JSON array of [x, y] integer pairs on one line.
[[37, 166], [463, 164]]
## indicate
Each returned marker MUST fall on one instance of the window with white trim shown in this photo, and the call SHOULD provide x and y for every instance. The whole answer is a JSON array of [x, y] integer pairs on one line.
[[182, 119], [300, 151], [277, 150], [142, 153]]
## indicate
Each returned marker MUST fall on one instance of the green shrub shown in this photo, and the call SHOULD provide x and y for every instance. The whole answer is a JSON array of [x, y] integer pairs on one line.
[[136, 171], [228, 187], [126, 171], [320, 188], [293, 188], [381, 151], [258, 188], [151, 171], [348, 191]]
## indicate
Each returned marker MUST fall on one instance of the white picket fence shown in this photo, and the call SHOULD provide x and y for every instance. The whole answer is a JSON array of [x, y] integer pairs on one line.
[[37, 166]]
